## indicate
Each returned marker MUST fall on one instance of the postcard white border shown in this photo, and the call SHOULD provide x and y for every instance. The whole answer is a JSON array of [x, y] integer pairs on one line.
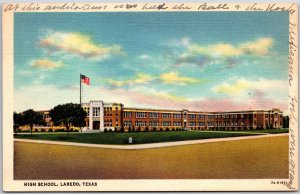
[[151, 185]]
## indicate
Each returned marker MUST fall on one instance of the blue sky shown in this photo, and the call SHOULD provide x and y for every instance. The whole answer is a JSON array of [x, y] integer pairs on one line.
[[210, 61]]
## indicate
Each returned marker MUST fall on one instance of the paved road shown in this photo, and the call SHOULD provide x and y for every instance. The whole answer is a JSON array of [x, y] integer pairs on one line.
[[264, 156]]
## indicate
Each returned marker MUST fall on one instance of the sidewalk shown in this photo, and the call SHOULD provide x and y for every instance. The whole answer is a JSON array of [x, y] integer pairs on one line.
[[149, 145]]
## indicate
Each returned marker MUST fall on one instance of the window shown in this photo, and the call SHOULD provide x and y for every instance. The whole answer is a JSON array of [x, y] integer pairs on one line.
[[140, 115], [140, 123], [127, 123], [166, 123], [192, 124], [166, 115], [242, 116], [153, 123], [176, 116], [178, 124], [192, 116], [127, 114], [201, 124], [210, 124], [201, 116], [96, 111]]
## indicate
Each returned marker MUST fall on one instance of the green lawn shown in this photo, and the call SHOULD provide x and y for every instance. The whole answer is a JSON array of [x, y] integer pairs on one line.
[[270, 131], [138, 138]]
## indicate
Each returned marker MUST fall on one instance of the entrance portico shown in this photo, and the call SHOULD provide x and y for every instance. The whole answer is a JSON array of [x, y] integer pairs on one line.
[[95, 110]]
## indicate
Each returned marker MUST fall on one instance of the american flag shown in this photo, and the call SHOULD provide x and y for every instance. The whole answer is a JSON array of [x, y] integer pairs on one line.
[[85, 79]]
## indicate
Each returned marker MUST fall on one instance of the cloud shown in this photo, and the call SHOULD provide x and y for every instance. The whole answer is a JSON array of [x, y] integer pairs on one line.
[[139, 79], [46, 64], [259, 47], [166, 78], [224, 53], [243, 86], [145, 56], [174, 78], [79, 44]]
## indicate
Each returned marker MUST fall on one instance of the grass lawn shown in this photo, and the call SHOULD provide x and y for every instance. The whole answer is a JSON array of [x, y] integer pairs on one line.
[[270, 131], [138, 138]]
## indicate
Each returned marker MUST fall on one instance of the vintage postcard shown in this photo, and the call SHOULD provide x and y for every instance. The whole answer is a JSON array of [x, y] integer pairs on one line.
[[150, 97]]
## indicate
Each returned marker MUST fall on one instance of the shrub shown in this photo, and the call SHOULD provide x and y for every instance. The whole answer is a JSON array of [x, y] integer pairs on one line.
[[167, 129], [62, 137], [161, 129], [50, 130], [139, 129], [43, 130], [105, 130], [154, 129], [110, 130], [122, 129], [60, 130], [173, 129]]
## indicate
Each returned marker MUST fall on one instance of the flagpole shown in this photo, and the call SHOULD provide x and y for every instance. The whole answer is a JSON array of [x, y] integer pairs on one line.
[[80, 88]]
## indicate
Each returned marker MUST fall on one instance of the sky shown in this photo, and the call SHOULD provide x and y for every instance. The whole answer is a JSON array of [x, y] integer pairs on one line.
[[202, 61]]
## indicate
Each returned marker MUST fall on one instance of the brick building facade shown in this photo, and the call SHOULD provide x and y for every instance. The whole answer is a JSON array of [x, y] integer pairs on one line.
[[115, 117]]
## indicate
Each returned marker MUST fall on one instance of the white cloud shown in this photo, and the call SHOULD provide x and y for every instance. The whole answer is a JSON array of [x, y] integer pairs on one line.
[[77, 43], [174, 78], [259, 47], [241, 87], [46, 63], [138, 79], [145, 56]]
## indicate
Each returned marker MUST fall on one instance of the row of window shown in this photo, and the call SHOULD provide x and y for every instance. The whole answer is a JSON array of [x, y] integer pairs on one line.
[[143, 115], [179, 116], [166, 115], [211, 124], [96, 112]]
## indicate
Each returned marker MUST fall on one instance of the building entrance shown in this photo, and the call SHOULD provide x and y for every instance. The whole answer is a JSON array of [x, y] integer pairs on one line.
[[96, 124]]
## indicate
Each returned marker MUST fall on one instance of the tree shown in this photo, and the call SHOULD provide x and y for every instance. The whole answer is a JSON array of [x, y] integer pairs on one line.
[[30, 117], [67, 115], [285, 122], [18, 121]]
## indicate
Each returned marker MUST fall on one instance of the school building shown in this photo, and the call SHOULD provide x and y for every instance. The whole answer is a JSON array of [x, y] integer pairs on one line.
[[103, 116]]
